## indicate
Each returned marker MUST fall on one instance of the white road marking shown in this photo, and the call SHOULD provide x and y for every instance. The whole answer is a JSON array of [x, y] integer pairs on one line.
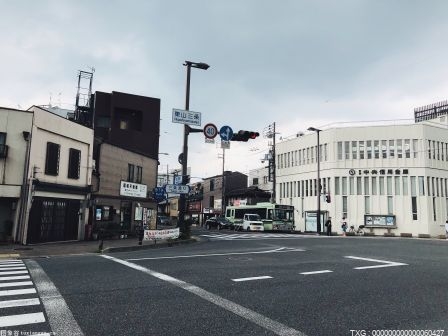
[[11, 292], [253, 236], [21, 319], [316, 272], [17, 277], [19, 303], [254, 317], [278, 250], [253, 278], [59, 315], [10, 265], [384, 262], [16, 284], [12, 268], [13, 272], [13, 261]]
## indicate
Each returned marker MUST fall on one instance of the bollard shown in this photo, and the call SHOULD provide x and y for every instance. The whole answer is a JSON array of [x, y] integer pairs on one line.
[[101, 239]]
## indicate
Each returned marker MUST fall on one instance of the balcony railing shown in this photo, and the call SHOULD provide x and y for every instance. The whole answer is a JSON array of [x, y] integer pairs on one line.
[[3, 151]]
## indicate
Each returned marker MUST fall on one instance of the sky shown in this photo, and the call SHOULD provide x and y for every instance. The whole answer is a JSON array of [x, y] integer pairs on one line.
[[293, 62]]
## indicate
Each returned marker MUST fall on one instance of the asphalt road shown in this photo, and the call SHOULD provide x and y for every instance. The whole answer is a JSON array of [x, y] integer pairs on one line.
[[249, 284]]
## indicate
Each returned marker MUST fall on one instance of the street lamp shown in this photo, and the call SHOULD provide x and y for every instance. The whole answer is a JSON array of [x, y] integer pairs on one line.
[[313, 129], [187, 130]]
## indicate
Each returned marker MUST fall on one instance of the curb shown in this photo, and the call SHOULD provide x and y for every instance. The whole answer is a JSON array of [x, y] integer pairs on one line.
[[9, 255], [147, 247]]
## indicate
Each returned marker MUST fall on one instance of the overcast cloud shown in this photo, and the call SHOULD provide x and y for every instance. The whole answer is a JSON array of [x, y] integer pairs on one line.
[[298, 63]]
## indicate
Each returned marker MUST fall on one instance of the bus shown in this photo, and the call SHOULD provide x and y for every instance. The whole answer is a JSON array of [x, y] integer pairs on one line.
[[274, 216]]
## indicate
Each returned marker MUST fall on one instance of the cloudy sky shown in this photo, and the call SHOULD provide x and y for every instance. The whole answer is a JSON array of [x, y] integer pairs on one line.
[[297, 63]]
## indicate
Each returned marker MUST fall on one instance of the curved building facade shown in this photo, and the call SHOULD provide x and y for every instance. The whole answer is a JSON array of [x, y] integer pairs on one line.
[[392, 178]]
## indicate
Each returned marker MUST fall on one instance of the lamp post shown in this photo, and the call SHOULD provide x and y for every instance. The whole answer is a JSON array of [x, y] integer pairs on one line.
[[187, 129], [318, 187]]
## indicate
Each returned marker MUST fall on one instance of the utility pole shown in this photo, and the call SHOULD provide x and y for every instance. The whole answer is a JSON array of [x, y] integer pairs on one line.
[[223, 186]]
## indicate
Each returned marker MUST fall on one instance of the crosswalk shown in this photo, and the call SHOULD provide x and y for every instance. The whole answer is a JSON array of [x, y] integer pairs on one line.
[[254, 236], [21, 311]]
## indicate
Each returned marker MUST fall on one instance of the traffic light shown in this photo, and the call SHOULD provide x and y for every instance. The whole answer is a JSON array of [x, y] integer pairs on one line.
[[244, 136], [328, 198]]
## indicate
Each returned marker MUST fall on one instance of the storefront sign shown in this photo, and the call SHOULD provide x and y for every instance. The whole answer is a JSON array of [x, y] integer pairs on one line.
[[380, 220], [378, 172], [133, 189], [161, 234]]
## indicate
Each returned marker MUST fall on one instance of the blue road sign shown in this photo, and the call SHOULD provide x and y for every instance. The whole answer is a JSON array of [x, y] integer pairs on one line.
[[159, 193], [226, 133]]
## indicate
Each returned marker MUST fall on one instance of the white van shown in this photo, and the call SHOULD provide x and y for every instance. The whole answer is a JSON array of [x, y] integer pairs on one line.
[[252, 222]]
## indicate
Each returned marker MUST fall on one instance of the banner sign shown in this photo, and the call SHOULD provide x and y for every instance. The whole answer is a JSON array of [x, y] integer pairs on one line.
[[161, 234]]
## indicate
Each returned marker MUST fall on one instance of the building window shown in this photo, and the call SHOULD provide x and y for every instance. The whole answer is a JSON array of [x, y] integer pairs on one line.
[[337, 190], [138, 178], [103, 122], [434, 209], [347, 150], [413, 186], [429, 149], [211, 201], [397, 185], [52, 159], [405, 185], [384, 148], [376, 146], [361, 150], [134, 173], [366, 204], [421, 186], [281, 190], [344, 186], [325, 152], [414, 207], [358, 186], [381, 181], [407, 148], [212, 184], [400, 148], [339, 150], [344, 206], [255, 181], [391, 149], [74, 163], [354, 150], [390, 205], [389, 185], [351, 182], [306, 188], [366, 186], [415, 147], [369, 149], [434, 149], [374, 186]]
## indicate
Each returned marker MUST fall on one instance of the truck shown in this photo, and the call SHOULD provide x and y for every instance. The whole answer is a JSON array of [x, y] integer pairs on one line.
[[252, 222]]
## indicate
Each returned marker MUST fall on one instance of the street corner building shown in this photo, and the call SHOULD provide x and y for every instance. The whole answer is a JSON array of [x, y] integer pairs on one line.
[[45, 176], [64, 177], [389, 176]]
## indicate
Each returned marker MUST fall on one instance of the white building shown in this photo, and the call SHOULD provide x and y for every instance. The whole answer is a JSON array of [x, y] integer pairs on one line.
[[391, 177], [259, 177], [47, 172]]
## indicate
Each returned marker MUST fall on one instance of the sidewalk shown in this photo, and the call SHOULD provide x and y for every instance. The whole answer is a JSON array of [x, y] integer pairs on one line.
[[13, 251]]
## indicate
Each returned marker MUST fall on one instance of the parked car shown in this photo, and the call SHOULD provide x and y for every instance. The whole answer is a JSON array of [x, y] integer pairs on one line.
[[163, 220], [218, 223]]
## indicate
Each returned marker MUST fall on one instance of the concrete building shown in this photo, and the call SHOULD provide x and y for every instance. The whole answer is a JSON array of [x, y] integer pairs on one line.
[[46, 176], [126, 159], [392, 178], [259, 177]]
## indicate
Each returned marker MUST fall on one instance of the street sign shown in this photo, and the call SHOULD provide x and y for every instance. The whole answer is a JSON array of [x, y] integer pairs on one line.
[[210, 131], [186, 117], [225, 144], [158, 193], [226, 133], [178, 179], [177, 189]]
